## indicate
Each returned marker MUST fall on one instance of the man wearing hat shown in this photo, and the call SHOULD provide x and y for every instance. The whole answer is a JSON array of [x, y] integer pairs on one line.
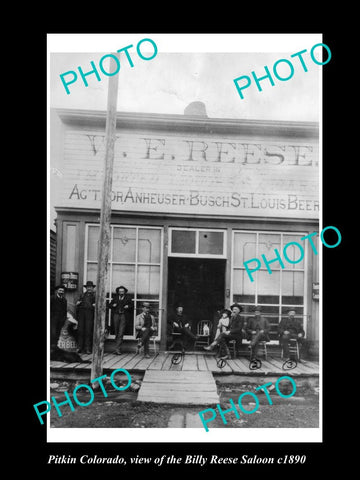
[[121, 305], [258, 331], [58, 312], [236, 331], [179, 323], [145, 326], [85, 313], [290, 328]]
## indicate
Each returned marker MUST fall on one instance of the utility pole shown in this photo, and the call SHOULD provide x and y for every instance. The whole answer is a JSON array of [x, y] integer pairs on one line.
[[104, 236]]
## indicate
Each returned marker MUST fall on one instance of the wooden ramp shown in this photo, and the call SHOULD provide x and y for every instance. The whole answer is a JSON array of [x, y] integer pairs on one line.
[[179, 387]]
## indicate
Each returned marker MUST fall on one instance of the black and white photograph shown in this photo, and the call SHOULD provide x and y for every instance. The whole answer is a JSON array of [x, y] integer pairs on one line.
[[185, 238]]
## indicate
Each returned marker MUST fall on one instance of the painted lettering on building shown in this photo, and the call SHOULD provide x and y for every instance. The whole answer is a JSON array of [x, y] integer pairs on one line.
[[187, 150], [181, 174]]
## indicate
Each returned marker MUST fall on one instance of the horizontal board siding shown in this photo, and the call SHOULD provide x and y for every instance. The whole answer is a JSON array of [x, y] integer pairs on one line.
[[191, 174]]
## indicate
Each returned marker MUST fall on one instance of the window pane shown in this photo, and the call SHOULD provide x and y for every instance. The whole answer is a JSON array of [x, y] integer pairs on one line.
[[292, 288], [149, 245], [183, 241], [91, 272], [267, 244], [268, 287], [242, 284], [123, 275], [148, 281], [124, 243], [244, 247], [244, 299], [93, 237], [271, 311], [294, 252], [211, 243]]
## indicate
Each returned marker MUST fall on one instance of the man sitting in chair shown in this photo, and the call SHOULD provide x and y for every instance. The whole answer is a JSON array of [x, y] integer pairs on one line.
[[290, 329], [145, 326], [258, 331], [179, 323], [235, 331]]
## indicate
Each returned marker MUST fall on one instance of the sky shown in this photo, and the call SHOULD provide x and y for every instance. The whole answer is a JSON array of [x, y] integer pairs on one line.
[[188, 70]]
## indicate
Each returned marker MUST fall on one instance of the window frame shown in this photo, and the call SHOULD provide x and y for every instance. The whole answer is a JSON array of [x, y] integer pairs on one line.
[[135, 264], [280, 305], [197, 254]]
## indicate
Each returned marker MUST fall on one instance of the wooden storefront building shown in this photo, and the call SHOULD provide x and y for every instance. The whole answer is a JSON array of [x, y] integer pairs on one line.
[[193, 199]]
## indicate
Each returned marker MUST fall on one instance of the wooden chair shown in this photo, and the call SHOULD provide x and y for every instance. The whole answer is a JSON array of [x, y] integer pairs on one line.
[[152, 341], [262, 349], [203, 332], [232, 347], [177, 339], [294, 350]]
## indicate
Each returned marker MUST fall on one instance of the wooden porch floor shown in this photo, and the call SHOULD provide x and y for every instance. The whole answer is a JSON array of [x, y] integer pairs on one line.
[[192, 361]]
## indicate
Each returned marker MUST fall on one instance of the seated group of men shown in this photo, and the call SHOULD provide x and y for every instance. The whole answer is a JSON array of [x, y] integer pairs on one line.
[[232, 326]]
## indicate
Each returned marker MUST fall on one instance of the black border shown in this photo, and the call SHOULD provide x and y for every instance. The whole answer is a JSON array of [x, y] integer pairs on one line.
[[335, 149]]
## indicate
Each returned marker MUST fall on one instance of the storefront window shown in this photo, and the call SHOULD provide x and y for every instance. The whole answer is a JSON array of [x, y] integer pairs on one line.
[[91, 272], [124, 244], [148, 282], [149, 250], [244, 247], [211, 243], [183, 241], [267, 242], [293, 288], [294, 252], [243, 289], [123, 275], [195, 242], [277, 291], [135, 262], [268, 290]]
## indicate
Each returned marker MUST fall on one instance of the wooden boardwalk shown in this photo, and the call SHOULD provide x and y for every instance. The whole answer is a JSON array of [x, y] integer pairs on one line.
[[200, 362], [179, 387]]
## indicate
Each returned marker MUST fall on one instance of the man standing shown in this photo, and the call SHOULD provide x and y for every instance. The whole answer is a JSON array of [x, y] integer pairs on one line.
[[179, 323], [58, 311], [85, 313], [258, 330], [290, 329], [235, 332], [145, 326], [121, 305]]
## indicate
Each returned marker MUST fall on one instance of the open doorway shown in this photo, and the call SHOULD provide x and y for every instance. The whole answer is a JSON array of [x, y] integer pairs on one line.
[[199, 284]]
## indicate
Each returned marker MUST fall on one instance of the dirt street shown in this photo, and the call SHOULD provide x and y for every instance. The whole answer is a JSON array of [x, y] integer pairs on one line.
[[122, 410]]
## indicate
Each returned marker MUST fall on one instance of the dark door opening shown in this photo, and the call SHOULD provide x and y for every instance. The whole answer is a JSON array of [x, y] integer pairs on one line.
[[199, 284]]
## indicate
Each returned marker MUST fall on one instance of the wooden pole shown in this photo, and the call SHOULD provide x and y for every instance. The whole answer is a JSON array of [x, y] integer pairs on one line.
[[104, 236]]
